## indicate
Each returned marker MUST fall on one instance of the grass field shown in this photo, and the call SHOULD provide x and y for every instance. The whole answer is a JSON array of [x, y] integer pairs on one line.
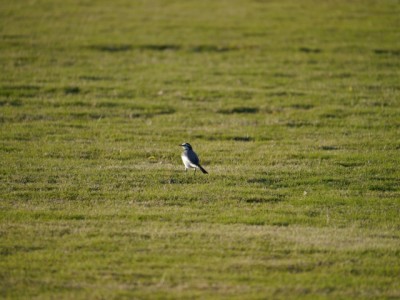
[[293, 107]]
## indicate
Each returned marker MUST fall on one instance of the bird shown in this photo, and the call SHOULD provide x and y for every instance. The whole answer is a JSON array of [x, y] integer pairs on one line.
[[190, 159]]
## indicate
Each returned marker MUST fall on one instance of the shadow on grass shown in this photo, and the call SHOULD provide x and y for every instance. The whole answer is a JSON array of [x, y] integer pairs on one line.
[[27, 91], [115, 48], [239, 110], [310, 50], [395, 52], [267, 199], [217, 137]]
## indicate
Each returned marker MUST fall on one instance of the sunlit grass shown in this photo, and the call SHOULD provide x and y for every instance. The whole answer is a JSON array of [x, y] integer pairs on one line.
[[292, 106]]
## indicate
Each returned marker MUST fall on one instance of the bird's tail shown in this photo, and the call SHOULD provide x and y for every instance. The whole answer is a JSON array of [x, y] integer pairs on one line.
[[202, 169]]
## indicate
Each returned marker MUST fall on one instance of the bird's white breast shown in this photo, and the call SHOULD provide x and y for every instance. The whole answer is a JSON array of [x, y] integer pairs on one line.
[[187, 162]]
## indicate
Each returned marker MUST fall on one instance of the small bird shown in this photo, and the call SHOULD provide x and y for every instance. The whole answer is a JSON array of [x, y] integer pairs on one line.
[[190, 159]]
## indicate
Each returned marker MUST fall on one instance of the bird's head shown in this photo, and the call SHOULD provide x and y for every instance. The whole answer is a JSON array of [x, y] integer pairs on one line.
[[186, 146]]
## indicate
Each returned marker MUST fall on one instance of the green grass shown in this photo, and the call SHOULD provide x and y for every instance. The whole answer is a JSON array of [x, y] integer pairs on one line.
[[292, 106]]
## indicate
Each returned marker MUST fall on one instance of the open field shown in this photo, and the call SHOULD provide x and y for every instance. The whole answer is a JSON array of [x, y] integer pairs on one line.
[[293, 107]]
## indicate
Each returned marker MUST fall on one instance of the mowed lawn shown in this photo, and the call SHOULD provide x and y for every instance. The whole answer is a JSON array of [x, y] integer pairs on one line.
[[293, 107]]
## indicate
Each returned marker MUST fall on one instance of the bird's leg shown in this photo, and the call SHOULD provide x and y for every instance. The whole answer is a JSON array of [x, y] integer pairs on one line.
[[195, 171]]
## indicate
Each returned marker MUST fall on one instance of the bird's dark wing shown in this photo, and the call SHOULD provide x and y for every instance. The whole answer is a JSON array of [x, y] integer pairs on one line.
[[193, 157]]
